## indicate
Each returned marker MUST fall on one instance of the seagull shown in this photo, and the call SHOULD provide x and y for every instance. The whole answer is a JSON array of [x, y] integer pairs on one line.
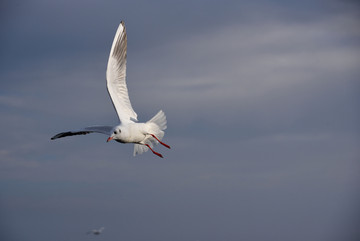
[[143, 135], [96, 231]]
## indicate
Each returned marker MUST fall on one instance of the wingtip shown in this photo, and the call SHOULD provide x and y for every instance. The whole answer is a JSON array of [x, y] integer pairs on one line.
[[56, 136]]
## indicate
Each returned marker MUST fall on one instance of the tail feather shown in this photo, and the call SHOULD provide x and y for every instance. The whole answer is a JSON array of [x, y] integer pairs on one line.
[[160, 120], [157, 124], [139, 149]]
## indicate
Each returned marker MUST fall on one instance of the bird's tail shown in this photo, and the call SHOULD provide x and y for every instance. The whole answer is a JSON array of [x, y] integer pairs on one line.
[[156, 126], [160, 120]]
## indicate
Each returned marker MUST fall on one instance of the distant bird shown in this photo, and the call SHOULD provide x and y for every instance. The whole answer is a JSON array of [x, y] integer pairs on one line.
[[143, 135], [96, 231]]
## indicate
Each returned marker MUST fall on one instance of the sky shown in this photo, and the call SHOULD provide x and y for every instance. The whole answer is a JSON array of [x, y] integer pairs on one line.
[[262, 103]]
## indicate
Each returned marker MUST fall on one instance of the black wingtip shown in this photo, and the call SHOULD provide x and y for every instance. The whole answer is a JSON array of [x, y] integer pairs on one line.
[[69, 133], [54, 137]]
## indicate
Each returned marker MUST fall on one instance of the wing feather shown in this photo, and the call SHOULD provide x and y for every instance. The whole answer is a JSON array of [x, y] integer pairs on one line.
[[87, 130], [116, 77]]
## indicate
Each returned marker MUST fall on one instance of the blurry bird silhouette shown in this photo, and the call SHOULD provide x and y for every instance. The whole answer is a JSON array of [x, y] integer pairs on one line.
[[96, 231]]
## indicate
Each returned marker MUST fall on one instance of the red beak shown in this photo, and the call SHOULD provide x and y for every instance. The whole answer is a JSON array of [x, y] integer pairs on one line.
[[109, 139]]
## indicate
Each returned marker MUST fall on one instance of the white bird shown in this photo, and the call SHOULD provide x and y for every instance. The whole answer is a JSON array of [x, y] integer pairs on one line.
[[96, 231], [143, 135]]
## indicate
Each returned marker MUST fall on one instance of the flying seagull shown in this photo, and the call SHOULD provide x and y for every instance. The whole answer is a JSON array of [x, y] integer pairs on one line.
[[143, 135], [96, 231]]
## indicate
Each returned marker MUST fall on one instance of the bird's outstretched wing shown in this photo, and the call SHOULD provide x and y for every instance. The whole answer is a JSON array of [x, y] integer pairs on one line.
[[116, 77], [91, 129]]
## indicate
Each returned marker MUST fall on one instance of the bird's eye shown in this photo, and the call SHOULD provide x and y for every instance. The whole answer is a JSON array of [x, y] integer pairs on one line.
[[114, 132]]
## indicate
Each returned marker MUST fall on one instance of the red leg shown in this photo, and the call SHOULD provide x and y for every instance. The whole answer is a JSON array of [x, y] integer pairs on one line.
[[162, 143], [156, 153]]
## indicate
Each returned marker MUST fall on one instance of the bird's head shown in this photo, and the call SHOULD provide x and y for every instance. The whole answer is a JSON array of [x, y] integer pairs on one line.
[[115, 134]]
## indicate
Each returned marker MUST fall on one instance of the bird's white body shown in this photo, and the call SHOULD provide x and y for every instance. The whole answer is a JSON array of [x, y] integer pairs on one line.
[[135, 132], [131, 133], [143, 135]]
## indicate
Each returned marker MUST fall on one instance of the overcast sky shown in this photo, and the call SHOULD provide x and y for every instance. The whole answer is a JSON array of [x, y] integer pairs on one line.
[[262, 101]]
